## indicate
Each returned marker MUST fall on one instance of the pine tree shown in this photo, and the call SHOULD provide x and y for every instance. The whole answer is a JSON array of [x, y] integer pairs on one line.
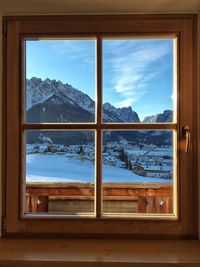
[[126, 160], [127, 163], [122, 155], [130, 165], [81, 151], [105, 148]]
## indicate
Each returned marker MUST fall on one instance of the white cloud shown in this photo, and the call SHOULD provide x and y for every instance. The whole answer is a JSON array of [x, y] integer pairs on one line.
[[134, 66], [75, 49], [126, 82], [125, 103]]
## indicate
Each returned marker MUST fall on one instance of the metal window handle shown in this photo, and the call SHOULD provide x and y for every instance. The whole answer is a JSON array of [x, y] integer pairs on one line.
[[187, 136]]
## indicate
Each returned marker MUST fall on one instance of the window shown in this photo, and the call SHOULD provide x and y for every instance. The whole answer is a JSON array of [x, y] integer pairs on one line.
[[130, 159], [80, 158]]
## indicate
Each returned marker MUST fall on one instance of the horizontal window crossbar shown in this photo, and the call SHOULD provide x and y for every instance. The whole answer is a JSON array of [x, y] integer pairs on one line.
[[110, 126]]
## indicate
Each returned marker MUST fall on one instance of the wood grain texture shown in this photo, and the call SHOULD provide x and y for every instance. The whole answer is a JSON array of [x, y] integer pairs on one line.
[[12, 133], [99, 137], [104, 126], [98, 7], [1, 123], [96, 253], [72, 198]]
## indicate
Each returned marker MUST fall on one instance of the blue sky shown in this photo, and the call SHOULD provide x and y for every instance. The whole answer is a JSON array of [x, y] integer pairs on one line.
[[136, 73]]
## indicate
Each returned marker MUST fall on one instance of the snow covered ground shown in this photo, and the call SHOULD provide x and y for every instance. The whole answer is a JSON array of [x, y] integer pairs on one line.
[[60, 168]]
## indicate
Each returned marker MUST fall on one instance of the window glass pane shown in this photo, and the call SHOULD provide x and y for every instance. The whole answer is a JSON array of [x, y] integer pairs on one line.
[[60, 172], [138, 172], [139, 80], [60, 80]]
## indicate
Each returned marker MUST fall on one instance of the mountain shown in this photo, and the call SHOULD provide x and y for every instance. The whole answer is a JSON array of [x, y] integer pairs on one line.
[[140, 137], [52, 101], [58, 108], [152, 118], [125, 114], [166, 116], [38, 91]]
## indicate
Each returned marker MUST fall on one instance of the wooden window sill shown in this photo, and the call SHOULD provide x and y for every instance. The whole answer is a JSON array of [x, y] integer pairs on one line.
[[92, 252]]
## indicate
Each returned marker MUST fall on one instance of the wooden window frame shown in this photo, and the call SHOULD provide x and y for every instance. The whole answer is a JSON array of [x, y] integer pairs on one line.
[[182, 26]]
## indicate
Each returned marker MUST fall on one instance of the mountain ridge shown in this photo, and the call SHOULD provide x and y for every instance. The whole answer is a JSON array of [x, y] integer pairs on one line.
[[50, 101], [166, 116], [39, 92]]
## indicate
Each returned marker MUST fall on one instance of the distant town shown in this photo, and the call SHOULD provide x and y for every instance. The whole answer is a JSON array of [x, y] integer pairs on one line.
[[143, 160]]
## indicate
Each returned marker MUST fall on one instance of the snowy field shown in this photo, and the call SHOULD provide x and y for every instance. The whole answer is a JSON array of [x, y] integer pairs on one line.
[[59, 168]]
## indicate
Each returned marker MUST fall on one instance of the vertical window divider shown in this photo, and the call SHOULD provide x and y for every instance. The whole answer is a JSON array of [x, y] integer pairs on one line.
[[98, 187], [22, 130]]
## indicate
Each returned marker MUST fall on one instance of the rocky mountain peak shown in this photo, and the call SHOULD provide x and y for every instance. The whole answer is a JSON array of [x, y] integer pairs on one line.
[[166, 116], [35, 80], [128, 115], [48, 91], [125, 114]]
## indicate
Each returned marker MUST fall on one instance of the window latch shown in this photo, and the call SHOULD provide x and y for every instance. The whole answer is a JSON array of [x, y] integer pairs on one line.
[[187, 136]]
